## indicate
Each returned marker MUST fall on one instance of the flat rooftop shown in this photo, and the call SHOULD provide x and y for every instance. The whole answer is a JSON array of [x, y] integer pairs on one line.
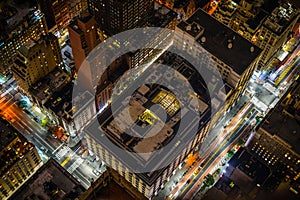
[[74, 25], [281, 17], [149, 121], [286, 126], [257, 20], [220, 41], [51, 181], [45, 88], [112, 192], [253, 169], [61, 102], [162, 16]]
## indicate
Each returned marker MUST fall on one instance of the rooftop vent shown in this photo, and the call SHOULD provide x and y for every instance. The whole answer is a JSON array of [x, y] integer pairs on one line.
[[188, 27], [229, 46], [203, 39], [252, 49]]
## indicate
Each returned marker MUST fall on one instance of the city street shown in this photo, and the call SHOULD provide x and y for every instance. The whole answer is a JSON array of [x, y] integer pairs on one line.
[[80, 168], [259, 98]]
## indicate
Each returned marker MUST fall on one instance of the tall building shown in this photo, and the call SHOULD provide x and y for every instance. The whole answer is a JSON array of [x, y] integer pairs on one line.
[[83, 38], [276, 141], [167, 3], [18, 30], [184, 8], [72, 112], [76, 7], [56, 12], [51, 181], [115, 16], [162, 17], [275, 30], [18, 160], [235, 57], [36, 59], [267, 24], [151, 182]]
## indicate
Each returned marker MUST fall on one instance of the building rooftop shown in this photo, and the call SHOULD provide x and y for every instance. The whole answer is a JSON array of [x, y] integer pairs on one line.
[[162, 16], [84, 18], [18, 146], [44, 88], [284, 120], [25, 48], [51, 181], [222, 42], [144, 112], [112, 192], [227, 7], [257, 20], [61, 102], [181, 3], [22, 17], [252, 169], [281, 17]]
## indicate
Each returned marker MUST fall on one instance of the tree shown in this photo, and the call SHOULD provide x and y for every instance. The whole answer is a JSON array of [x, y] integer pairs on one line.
[[208, 180], [240, 142], [229, 154]]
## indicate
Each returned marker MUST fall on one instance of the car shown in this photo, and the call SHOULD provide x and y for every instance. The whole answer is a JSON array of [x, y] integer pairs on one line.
[[28, 112], [37, 119], [202, 164]]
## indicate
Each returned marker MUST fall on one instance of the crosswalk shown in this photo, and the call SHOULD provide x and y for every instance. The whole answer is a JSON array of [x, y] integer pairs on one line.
[[62, 152], [271, 89], [258, 104], [75, 165]]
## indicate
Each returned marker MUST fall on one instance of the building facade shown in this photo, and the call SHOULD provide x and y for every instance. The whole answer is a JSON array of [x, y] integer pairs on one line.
[[275, 30], [276, 140], [150, 183], [76, 7], [19, 160], [162, 17], [234, 57], [32, 26], [83, 38], [56, 12], [267, 25], [115, 16], [71, 112], [35, 60]]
